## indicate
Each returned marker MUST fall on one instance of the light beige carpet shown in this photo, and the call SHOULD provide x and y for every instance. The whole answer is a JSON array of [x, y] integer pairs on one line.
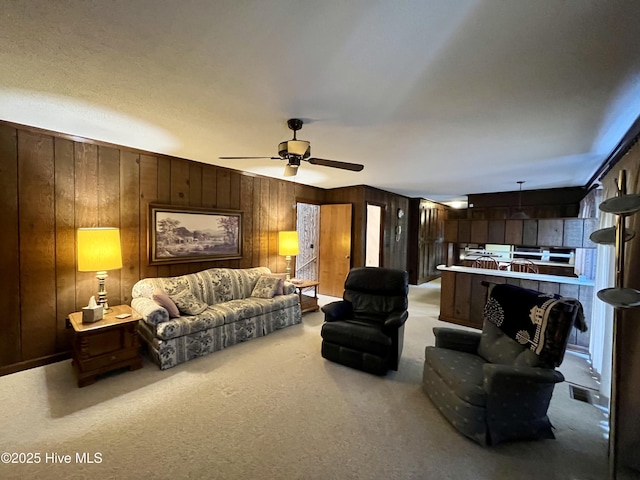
[[273, 408]]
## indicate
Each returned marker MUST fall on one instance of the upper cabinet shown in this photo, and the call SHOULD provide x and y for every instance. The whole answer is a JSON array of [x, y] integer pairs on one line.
[[480, 231], [550, 232], [497, 232], [546, 232], [543, 203], [513, 232]]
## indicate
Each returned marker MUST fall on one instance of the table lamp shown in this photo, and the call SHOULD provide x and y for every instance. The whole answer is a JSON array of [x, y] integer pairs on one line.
[[288, 246], [99, 251]]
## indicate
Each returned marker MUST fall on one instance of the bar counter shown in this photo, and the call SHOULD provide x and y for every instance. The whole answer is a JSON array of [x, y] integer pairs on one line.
[[463, 296], [540, 277]]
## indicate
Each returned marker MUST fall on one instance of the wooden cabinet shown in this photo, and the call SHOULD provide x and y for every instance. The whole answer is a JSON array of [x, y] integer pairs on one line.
[[544, 232], [464, 231], [479, 231], [106, 345], [561, 270], [590, 226], [573, 233], [513, 232], [451, 231], [530, 232], [496, 234], [462, 298], [550, 232]]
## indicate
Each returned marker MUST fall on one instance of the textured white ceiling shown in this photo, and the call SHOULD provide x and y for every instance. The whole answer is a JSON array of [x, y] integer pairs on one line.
[[437, 98]]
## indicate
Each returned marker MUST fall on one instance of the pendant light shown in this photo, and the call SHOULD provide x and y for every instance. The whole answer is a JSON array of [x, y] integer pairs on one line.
[[519, 214]]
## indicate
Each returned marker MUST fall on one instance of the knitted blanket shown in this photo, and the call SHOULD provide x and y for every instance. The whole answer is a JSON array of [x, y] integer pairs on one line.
[[538, 320]]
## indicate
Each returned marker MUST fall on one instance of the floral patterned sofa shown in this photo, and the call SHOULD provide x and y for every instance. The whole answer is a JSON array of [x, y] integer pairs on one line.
[[218, 307]]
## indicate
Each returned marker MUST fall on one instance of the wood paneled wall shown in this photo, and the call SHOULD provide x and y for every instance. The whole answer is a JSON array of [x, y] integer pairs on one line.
[[426, 247], [394, 249], [50, 185], [394, 253]]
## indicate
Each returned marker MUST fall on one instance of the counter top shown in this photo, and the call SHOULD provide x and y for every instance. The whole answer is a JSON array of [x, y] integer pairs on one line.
[[506, 261], [522, 275]]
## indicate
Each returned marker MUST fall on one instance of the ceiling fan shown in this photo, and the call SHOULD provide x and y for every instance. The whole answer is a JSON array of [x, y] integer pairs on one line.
[[294, 151]]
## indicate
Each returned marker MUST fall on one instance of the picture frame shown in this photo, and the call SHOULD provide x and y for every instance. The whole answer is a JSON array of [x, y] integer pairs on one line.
[[193, 234]]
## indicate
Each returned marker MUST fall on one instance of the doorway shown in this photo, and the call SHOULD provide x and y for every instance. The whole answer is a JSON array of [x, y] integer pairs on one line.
[[374, 235], [307, 225], [324, 237]]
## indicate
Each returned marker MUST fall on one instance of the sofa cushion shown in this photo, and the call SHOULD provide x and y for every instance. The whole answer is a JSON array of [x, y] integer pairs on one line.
[[235, 310], [282, 277], [278, 302], [174, 285], [461, 371], [266, 287], [186, 325], [162, 299], [187, 303]]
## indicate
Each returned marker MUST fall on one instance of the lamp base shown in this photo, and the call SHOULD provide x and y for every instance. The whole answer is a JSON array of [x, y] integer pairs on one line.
[[288, 258], [102, 293]]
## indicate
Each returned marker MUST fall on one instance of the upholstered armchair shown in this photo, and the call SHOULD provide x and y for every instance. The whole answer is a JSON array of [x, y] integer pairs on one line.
[[365, 330], [496, 385]]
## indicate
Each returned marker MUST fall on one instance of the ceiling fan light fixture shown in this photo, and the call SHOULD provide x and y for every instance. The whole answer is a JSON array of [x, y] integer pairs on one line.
[[300, 148], [291, 170]]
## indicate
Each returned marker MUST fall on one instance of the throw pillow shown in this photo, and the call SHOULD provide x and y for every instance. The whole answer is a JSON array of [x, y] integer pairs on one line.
[[162, 298], [282, 277], [266, 287], [187, 302]]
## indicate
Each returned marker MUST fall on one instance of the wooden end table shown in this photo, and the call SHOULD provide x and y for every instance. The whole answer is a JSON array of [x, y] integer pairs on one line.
[[308, 303], [105, 345]]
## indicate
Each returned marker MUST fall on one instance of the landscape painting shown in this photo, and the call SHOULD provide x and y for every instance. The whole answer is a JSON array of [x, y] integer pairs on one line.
[[179, 235]]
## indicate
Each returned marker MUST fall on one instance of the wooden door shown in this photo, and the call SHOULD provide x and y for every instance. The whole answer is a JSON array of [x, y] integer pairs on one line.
[[335, 248]]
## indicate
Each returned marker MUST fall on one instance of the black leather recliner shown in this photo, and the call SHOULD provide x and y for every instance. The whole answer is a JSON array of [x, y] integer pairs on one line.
[[366, 329]]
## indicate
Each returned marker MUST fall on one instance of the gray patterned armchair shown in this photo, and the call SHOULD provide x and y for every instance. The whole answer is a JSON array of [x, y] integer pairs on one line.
[[496, 385]]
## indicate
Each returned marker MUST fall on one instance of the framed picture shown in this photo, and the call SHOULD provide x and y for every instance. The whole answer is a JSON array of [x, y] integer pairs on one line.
[[190, 234]]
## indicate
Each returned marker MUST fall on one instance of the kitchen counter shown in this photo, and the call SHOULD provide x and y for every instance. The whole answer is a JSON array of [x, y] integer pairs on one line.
[[544, 267], [505, 261], [463, 294], [540, 277]]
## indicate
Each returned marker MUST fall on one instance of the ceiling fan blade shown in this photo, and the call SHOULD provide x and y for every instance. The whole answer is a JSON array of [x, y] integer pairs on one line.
[[355, 167], [242, 158], [291, 170]]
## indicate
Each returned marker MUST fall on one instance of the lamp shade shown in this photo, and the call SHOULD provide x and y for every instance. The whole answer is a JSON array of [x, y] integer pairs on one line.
[[99, 249], [297, 147], [288, 243]]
